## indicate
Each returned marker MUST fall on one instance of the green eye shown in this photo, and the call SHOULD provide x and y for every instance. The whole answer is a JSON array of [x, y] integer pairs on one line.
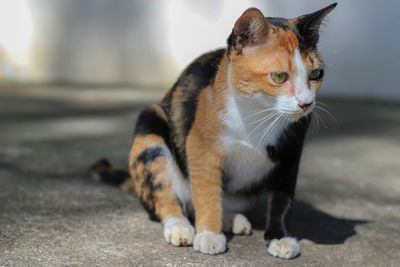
[[316, 75], [279, 77]]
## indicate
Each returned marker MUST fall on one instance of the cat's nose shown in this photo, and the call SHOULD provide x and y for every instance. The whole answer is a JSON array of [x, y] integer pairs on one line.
[[305, 106]]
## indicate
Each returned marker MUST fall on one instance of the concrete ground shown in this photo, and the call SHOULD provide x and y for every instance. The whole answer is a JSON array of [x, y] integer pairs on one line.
[[347, 209]]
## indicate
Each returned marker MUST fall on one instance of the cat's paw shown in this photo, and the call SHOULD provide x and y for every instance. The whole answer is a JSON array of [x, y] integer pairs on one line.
[[178, 231], [286, 247], [240, 225], [209, 243]]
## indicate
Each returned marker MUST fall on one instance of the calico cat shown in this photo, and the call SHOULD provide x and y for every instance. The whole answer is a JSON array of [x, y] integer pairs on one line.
[[231, 128]]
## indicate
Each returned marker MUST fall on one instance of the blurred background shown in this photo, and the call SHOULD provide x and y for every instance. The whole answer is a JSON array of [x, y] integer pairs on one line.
[[148, 43]]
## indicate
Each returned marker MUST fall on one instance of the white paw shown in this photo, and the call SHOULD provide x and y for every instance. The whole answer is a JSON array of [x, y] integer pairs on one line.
[[209, 243], [286, 248], [240, 225], [178, 231]]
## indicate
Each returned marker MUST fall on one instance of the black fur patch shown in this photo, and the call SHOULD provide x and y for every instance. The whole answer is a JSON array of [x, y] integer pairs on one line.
[[149, 122], [150, 154], [231, 43], [283, 176], [308, 27], [279, 22], [153, 188], [277, 216], [197, 76]]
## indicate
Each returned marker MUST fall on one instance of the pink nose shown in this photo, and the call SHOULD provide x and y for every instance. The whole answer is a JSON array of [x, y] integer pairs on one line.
[[305, 106]]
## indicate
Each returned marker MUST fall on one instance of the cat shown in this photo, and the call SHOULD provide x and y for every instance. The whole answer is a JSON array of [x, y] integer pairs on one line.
[[231, 128]]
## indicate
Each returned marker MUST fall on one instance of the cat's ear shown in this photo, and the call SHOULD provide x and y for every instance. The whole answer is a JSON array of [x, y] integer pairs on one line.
[[249, 30], [308, 26]]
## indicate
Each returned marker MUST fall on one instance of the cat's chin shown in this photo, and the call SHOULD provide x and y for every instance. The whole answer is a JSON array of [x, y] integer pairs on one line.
[[295, 116]]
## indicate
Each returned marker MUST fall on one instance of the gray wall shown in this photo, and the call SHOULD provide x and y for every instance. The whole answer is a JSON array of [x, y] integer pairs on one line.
[[149, 42]]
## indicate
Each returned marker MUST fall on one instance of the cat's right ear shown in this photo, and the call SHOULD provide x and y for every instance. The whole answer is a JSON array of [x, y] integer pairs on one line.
[[249, 30]]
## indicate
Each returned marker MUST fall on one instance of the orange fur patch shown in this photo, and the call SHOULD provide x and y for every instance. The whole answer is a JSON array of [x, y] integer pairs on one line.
[[250, 70], [166, 205], [204, 161], [162, 200]]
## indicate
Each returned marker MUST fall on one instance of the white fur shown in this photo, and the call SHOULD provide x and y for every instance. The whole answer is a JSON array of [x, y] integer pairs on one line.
[[250, 124], [180, 185], [236, 223], [178, 231], [240, 225], [209, 243], [242, 114], [302, 93], [244, 139], [285, 248], [244, 164]]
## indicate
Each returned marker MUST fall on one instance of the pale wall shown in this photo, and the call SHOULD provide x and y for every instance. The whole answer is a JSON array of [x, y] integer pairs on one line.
[[149, 42]]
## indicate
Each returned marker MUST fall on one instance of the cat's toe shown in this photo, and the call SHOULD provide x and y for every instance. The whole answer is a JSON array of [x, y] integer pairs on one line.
[[240, 225], [209, 243], [285, 248], [178, 232]]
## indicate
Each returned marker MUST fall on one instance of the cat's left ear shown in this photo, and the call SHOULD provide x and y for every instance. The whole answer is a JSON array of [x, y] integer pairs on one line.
[[308, 26], [250, 29]]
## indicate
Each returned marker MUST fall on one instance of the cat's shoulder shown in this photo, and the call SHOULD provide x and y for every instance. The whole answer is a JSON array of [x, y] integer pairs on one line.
[[202, 70], [197, 75]]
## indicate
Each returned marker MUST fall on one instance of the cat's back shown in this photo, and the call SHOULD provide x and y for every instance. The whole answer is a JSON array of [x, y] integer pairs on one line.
[[180, 103], [198, 75]]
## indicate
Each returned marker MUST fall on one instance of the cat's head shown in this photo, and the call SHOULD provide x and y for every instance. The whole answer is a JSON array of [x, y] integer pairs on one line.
[[276, 59]]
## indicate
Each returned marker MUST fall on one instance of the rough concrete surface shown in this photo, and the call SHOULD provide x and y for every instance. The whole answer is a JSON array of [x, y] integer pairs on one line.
[[347, 209]]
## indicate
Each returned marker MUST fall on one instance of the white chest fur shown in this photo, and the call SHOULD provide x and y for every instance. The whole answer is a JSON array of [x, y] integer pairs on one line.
[[244, 141], [244, 165]]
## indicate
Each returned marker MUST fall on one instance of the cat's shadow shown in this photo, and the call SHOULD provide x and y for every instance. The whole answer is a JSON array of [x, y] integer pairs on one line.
[[306, 222]]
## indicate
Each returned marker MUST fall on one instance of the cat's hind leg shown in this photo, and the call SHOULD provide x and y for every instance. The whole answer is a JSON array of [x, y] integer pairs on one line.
[[153, 168]]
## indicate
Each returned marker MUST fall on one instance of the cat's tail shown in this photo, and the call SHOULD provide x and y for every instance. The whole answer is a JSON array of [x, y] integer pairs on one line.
[[102, 171]]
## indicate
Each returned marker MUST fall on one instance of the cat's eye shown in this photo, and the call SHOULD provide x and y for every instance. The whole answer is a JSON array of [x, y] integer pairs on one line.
[[316, 75], [279, 77]]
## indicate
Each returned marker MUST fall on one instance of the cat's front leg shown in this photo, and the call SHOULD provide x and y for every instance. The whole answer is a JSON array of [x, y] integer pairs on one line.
[[205, 180], [279, 243], [280, 188], [206, 192]]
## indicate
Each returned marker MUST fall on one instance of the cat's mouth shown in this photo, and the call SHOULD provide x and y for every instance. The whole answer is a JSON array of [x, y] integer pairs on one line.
[[297, 114]]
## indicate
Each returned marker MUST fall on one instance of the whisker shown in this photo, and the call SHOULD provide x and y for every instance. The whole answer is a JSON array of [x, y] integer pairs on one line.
[[327, 112], [269, 129], [262, 123], [258, 112], [281, 118], [322, 121], [315, 122], [267, 117], [322, 103]]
